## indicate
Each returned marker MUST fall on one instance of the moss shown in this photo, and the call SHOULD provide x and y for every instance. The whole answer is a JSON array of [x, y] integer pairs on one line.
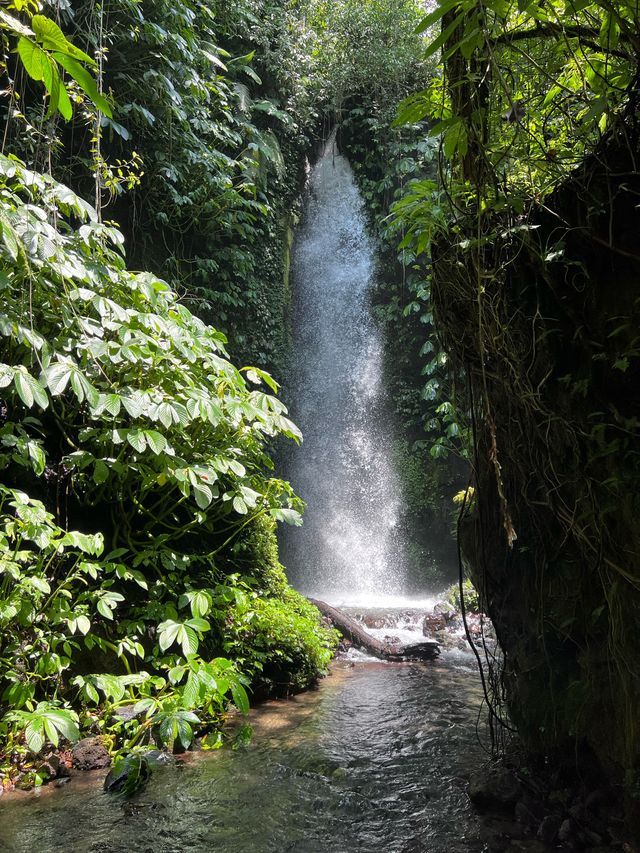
[[277, 637], [280, 642]]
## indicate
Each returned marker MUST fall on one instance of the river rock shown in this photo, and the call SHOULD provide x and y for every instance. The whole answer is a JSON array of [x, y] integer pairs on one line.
[[433, 622], [445, 610], [566, 830], [53, 766], [494, 788], [90, 753], [374, 622], [548, 829]]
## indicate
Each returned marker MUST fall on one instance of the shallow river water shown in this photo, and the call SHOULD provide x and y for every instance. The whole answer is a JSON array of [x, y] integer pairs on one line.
[[375, 759]]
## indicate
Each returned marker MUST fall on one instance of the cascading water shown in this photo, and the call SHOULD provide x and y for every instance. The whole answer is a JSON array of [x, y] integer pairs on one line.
[[349, 548]]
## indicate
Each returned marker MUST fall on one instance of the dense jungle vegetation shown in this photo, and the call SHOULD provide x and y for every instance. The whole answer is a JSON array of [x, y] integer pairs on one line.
[[495, 144]]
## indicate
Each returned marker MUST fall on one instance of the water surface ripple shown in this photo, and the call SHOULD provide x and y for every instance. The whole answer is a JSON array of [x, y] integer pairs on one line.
[[374, 760]]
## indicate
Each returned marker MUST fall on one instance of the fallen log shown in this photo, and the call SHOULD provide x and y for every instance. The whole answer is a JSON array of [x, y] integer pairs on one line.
[[349, 628]]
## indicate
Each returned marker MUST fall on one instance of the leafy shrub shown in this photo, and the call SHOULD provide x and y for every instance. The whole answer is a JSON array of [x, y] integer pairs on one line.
[[124, 423], [280, 641], [471, 597]]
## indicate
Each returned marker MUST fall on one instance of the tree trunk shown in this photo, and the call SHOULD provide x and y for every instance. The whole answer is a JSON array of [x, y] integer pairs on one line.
[[426, 650]]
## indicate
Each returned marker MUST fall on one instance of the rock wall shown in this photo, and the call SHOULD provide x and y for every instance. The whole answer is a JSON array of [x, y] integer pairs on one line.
[[544, 322]]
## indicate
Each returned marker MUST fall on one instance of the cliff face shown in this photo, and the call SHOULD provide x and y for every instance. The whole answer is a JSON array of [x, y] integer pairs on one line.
[[544, 321]]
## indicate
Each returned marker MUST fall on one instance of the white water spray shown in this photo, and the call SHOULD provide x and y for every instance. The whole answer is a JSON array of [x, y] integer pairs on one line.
[[350, 546]]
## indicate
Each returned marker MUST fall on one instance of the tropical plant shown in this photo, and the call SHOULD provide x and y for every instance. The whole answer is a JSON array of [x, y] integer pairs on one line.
[[122, 413]]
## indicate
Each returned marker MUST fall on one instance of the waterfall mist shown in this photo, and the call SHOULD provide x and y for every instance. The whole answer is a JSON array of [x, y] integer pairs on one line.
[[350, 547]]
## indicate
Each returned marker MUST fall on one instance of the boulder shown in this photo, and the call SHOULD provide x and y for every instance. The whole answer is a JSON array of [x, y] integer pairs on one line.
[[433, 622], [90, 753], [548, 829], [442, 608], [494, 788], [372, 621]]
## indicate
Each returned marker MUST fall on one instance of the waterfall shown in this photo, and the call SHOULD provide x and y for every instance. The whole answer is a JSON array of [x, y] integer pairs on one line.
[[349, 548]]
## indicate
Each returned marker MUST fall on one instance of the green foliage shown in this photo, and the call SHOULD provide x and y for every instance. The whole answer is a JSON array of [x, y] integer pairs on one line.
[[46, 722], [208, 132], [470, 594], [122, 411], [129, 775], [528, 230], [518, 134], [279, 640], [44, 50]]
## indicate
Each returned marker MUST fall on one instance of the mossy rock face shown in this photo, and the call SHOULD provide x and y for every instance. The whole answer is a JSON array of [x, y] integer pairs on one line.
[[563, 594], [256, 555]]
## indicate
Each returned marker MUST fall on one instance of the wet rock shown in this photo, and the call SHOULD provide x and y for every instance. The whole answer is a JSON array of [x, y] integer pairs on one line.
[[90, 753], [159, 757], [525, 816], [494, 788], [566, 830], [445, 610], [24, 782], [52, 766], [433, 622], [372, 621], [64, 780], [548, 829]]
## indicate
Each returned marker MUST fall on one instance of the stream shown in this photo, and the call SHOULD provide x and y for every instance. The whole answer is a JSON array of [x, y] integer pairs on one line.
[[375, 759]]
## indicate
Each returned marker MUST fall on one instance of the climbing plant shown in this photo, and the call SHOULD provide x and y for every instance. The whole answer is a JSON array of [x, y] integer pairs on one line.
[[535, 114]]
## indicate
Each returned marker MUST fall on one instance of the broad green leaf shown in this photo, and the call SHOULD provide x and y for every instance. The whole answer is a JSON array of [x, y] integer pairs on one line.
[[57, 377], [200, 603], [289, 516], [202, 494], [51, 37], [24, 388], [65, 723], [198, 624], [86, 82], [6, 375], [240, 698], [240, 506], [100, 472], [188, 640], [156, 441], [35, 60], [83, 623], [168, 631], [34, 735], [137, 439]]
